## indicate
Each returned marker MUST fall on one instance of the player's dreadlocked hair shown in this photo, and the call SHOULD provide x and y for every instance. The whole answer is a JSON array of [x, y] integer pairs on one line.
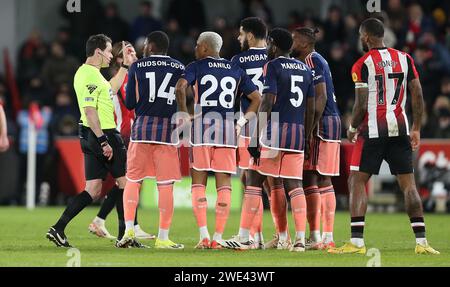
[[309, 33]]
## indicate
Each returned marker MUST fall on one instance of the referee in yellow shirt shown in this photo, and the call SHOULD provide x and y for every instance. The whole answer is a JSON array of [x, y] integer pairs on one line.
[[102, 145]]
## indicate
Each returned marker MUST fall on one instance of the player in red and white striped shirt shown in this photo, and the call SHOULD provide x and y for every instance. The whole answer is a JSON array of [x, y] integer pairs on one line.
[[380, 129]]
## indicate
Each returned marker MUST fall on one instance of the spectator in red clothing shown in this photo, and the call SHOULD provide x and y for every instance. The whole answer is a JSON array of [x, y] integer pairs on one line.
[[417, 24], [32, 55]]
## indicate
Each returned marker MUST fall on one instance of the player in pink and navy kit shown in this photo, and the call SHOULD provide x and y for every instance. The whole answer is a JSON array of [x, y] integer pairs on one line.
[[288, 103], [325, 143], [216, 82], [152, 152], [252, 37]]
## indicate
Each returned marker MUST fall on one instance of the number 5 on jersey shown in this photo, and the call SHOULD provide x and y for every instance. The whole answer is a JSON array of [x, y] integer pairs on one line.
[[296, 90]]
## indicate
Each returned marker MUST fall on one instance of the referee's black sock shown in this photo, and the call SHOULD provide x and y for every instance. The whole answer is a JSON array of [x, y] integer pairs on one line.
[[120, 214], [109, 203], [73, 208]]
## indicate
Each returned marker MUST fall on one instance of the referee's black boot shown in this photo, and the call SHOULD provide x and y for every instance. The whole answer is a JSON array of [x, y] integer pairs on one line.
[[58, 237]]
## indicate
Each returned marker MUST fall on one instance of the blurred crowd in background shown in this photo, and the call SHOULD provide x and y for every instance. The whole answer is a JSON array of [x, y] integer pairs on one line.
[[45, 67]]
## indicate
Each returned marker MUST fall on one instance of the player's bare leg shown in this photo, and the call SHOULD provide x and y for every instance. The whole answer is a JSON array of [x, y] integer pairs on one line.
[[328, 210], [200, 206], [413, 205], [313, 201]]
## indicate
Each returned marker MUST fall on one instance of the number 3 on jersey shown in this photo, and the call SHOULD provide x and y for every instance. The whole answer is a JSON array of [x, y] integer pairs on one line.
[[296, 90], [256, 74], [226, 97], [170, 96]]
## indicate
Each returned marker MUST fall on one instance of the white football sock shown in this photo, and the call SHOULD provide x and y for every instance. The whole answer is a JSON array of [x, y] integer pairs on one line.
[[129, 225], [300, 235], [204, 232], [99, 221], [327, 237], [217, 236], [422, 241], [315, 235], [163, 234], [359, 242], [256, 237], [283, 236], [244, 234]]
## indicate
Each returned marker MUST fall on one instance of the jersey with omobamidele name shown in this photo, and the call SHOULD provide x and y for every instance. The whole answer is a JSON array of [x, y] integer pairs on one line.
[[252, 62], [330, 123], [291, 81], [386, 73], [151, 92], [216, 83]]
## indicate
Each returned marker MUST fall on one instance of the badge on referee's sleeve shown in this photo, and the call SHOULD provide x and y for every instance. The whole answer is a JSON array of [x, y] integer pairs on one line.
[[91, 88]]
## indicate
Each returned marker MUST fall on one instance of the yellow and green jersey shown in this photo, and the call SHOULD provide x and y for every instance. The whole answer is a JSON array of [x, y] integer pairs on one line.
[[93, 90]]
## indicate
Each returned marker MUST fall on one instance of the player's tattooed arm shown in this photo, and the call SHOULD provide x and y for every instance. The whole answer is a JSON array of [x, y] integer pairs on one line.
[[321, 100], [360, 106], [417, 108], [180, 92], [359, 110], [417, 103]]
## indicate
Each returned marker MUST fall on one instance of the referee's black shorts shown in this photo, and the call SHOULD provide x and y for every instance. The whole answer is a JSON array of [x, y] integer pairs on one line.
[[368, 154], [96, 165]]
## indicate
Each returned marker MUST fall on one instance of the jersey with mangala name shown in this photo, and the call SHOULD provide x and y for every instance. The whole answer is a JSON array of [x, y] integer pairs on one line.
[[151, 93], [93, 90], [291, 82], [330, 123], [216, 83]]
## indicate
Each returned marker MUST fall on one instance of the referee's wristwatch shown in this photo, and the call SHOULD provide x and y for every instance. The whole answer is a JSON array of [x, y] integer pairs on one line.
[[103, 140], [352, 129], [125, 66]]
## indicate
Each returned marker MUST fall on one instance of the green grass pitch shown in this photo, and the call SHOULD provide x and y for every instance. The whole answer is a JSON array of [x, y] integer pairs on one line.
[[23, 242]]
